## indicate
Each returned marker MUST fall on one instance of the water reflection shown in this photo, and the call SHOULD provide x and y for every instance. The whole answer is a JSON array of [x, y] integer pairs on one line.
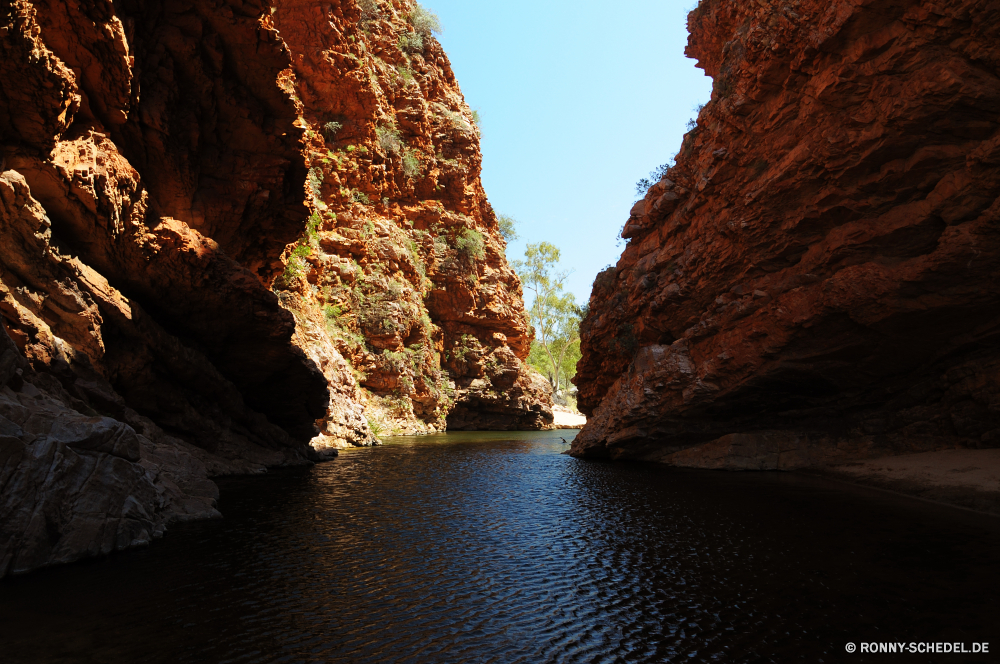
[[497, 548]]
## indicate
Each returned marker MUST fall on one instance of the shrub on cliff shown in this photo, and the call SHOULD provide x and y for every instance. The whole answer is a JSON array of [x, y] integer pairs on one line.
[[394, 289], [411, 164], [405, 74], [389, 139], [657, 174], [508, 227], [424, 22], [315, 180], [332, 312], [457, 120], [296, 266], [396, 362], [470, 244], [411, 42], [376, 317], [330, 129]]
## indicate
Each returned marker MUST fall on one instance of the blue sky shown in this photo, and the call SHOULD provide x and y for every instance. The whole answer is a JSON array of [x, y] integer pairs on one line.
[[579, 100]]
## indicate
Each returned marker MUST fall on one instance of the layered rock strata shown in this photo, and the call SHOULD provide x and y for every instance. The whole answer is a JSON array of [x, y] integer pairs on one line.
[[815, 279], [151, 179], [400, 285]]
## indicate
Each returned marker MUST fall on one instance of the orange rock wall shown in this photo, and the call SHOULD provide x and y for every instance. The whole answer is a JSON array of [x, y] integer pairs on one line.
[[87, 113], [814, 280], [403, 274]]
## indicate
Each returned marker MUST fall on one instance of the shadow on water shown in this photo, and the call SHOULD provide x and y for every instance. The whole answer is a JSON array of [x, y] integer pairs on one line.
[[498, 548]]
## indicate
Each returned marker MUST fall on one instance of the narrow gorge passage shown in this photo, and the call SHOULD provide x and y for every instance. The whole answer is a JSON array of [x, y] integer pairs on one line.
[[278, 382]]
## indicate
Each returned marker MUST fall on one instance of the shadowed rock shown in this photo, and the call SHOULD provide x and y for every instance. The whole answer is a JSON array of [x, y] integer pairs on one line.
[[151, 180], [813, 281]]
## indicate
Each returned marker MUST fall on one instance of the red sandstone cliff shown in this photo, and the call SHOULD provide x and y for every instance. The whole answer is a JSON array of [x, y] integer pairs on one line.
[[401, 277], [176, 235], [815, 279], [150, 183]]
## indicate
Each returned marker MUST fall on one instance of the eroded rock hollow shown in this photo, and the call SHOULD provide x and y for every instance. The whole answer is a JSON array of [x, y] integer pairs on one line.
[[228, 229], [815, 279]]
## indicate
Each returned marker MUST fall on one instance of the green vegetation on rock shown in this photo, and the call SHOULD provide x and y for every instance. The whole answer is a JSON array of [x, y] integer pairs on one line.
[[411, 164], [470, 244], [424, 21], [508, 227]]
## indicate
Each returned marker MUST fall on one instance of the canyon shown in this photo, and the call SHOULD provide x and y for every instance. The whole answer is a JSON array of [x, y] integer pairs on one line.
[[236, 235], [814, 280], [241, 234], [244, 241]]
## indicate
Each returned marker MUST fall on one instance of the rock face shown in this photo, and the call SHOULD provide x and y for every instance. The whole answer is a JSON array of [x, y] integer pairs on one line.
[[76, 483], [815, 279], [150, 183], [221, 243], [400, 285]]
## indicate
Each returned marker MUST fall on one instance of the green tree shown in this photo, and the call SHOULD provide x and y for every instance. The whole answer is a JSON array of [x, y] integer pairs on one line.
[[424, 21], [554, 314], [508, 227]]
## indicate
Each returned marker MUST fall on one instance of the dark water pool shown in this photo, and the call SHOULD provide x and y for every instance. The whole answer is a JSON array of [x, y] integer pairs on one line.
[[497, 548]]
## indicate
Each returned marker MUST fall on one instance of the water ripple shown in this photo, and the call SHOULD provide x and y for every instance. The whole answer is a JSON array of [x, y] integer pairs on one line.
[[500, 549]]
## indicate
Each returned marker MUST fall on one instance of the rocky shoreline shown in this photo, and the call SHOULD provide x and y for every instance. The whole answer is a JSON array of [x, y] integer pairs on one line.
[[566, 418]]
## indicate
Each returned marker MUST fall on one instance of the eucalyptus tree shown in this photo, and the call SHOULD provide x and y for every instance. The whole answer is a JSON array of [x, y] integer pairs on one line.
[[553, 313]]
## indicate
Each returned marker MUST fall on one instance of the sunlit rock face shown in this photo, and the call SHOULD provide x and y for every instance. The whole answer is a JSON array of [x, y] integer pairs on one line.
[[815, 278], [401, 288]]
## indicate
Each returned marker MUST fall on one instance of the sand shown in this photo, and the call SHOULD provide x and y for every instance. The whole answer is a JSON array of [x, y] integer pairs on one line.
[[568, 419], [966, 478]]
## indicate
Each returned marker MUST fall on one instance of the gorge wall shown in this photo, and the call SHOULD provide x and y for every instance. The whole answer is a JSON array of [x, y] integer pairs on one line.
[[402, 270], [199, 277], [815, 280]]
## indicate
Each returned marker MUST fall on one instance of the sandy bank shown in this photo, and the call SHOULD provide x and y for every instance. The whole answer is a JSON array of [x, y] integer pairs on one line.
[[567, 419], [966, 478]]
